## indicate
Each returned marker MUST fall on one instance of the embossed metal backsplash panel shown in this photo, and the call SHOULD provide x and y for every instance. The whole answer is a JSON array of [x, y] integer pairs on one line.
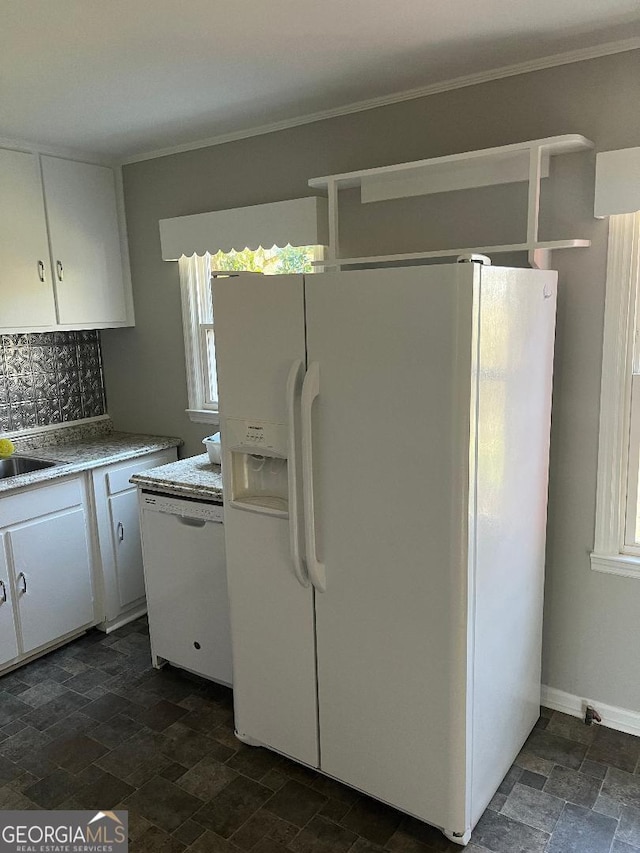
[[49, 378]]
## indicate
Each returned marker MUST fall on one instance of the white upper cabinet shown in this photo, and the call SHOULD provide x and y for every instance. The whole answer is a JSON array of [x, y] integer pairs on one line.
[[85, 242], [61, 260], [26, 292]]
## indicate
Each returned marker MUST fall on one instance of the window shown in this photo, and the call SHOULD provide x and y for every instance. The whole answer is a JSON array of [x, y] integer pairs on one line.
[[197, 311], [617, 537]]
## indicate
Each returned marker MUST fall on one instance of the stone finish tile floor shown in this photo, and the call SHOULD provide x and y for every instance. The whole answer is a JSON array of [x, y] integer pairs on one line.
[[93, 726]]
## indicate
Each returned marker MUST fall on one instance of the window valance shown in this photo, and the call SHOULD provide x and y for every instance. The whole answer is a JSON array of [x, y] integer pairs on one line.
[[300, 222]]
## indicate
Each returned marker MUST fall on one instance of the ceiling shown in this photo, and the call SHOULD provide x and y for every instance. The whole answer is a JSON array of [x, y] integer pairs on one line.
[[123, 77]]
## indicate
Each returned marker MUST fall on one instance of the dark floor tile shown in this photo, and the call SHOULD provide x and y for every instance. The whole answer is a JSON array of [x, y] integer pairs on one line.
[[572, 728], [172, 771], [11, 800], [513, 775], [85, 681], [282, 831], [497, 801], [618, 784], [298, 772], [254, 762], [615, 748], [8, 771], [533, 780], [159, 716], [13, 728], [56, 710], [274, 779], [361, 845], [137, 760], [534, 808], [16, 747], [155, 840], [104, 791], [582, 831], [269, 845], [188, 832], [555, 748], [74, 724], [593, 768], [607, 806], [167, 684], [74, 753], [49, 792], [209, 842], [529, 761], [371, 819], [11, 707], [574, 787], [296, 803], [501, 834], [115, 731], [621, 847], [334, 809], [335, 790], [185, 746], [206, 778], [323, 836], [40, 694], [163, 803], [13, 683], [254, 829], [235, 804], [420, 833], [629, 826], [205, 719], [105, 708], [43, 669]]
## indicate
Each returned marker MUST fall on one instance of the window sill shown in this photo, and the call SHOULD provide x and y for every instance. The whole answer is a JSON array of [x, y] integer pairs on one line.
[[203, 416], [616, 564]]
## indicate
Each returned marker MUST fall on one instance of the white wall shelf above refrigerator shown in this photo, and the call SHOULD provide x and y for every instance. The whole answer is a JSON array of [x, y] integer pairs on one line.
[[524, 161]]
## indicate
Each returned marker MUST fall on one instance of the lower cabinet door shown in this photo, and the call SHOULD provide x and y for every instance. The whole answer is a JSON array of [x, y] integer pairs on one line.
[[127, 548], [8, 638], [52, 577]]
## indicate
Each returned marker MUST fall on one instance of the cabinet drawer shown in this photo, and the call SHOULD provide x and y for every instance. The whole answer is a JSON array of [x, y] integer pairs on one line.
[[40, 500], [118, 478]]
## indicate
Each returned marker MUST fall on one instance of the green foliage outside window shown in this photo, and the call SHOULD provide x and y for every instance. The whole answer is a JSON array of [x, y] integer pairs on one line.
[[274, 261]]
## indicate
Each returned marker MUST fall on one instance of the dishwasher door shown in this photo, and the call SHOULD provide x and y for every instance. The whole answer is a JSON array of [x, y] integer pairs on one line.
[[186, 582]]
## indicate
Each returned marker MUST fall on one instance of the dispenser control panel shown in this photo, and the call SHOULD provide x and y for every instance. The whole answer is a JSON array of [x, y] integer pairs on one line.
[[254, 436]]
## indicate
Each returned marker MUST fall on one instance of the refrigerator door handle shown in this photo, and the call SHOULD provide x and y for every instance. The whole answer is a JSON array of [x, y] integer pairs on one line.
[[310, 390], [294, 521]]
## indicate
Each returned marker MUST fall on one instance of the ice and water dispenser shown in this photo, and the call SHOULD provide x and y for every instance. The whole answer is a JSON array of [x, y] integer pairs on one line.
[[258, 451]]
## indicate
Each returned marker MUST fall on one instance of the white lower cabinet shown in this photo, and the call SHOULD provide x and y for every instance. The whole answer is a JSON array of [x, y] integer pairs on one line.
[[119, 546], [8, 634], [45, 568]]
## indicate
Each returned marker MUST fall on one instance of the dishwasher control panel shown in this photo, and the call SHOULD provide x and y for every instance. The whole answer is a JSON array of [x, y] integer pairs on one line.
[[185, 508]]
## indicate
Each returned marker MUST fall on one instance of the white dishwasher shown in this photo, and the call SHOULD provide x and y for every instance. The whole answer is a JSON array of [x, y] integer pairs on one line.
[[186, 582]]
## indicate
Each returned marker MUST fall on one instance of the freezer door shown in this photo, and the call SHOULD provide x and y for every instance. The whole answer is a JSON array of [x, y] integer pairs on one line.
[[390, 428], [260, 335]]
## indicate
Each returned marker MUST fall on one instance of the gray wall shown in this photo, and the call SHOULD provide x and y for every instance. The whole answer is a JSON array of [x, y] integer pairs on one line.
[[591, 619]]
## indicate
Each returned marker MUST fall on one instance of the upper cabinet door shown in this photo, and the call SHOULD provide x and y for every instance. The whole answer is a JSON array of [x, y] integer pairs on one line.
[[85, 242], [26, 292]]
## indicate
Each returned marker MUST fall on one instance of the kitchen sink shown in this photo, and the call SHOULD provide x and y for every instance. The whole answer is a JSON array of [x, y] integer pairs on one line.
[[15, 465]]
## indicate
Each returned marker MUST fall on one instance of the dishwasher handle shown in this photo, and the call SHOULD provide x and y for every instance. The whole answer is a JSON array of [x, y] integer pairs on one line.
[[191, 522]]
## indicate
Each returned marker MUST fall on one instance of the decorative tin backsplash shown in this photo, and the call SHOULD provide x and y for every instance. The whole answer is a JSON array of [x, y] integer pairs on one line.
[[49, 378]]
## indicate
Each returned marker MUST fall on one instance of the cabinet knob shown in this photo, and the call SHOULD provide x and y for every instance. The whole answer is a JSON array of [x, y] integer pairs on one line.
[[3, 600], [60, 270], [41, 271], [21, 578], [120, 531]]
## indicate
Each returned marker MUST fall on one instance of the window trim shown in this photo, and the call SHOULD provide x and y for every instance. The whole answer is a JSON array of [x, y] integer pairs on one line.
[[622, 287], [197, 410]]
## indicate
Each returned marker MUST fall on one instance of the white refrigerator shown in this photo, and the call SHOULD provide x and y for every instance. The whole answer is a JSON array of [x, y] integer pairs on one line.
[[385, 437]]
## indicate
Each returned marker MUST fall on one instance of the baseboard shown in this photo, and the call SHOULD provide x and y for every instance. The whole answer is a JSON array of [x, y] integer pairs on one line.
[[621, 719]]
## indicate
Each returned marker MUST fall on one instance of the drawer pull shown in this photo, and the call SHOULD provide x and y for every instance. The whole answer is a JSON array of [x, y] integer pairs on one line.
[[4, 592], [21, 577], [120, 529], [60, 270], [41, 271]]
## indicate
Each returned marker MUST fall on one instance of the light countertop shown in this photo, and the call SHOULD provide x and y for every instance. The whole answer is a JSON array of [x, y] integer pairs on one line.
[[194, 477], [80, 448]]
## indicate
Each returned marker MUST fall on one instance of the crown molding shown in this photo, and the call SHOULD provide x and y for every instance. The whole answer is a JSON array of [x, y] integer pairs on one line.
[[553, 61]]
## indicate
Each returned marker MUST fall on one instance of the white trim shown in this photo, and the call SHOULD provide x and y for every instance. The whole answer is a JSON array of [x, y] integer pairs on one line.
[[615, 391], [625, 565], [203, 416], [613, 717], [63, 152], [544, 62]]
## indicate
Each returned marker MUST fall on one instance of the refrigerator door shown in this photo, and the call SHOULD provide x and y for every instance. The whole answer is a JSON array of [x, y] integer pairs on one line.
[[390, 433], [260, 335]]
